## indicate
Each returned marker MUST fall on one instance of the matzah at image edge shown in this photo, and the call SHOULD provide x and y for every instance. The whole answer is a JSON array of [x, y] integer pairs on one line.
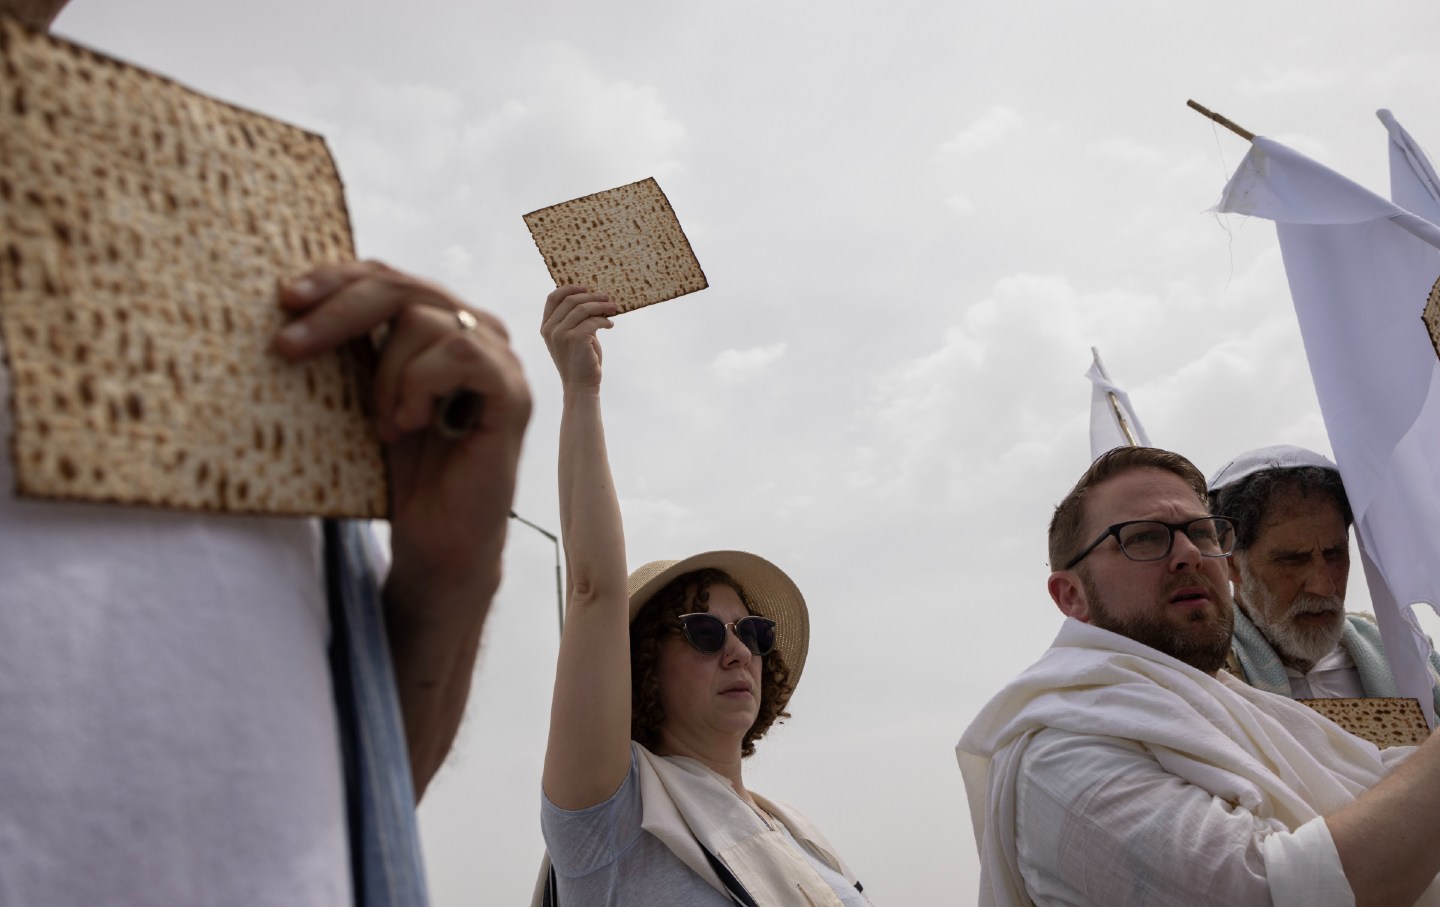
[[662, 266], [102, 357], [1431, 317]]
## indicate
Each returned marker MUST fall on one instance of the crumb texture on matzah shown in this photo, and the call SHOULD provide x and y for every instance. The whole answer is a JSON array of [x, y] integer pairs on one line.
[[1384, 722], [142, 229], [1431, 316], [626, 242]]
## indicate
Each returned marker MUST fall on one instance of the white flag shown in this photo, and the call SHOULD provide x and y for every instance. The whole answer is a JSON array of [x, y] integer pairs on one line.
[[1360, 268], [1113, 422]]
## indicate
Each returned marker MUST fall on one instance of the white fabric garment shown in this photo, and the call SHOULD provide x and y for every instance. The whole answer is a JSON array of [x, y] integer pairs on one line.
[[1334, 676], [167, 730], [1106, 432], [603, 855], [1360, 269], [687, 804], [1263, 761]]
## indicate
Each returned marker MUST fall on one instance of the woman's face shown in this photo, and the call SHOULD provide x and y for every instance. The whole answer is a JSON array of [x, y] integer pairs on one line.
[[709, 698]]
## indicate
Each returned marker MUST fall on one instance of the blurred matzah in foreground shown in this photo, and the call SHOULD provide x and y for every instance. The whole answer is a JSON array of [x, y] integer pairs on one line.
[[143, 228]]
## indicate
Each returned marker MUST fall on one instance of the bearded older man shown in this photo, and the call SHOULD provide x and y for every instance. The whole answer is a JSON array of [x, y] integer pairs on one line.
[[1290, 569]]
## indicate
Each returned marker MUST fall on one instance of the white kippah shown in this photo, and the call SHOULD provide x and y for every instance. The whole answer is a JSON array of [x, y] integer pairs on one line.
[[1276, 456]]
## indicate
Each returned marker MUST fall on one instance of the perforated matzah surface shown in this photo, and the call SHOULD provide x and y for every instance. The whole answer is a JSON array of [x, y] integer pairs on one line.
[[143, 228], [1384, 722], [625, 242]]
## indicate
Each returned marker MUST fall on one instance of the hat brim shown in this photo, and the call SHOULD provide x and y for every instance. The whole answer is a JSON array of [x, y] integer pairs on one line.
[[771, 593]]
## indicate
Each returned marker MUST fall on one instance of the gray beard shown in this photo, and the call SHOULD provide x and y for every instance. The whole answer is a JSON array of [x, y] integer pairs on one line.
[[1296, 645], [1202, 642]]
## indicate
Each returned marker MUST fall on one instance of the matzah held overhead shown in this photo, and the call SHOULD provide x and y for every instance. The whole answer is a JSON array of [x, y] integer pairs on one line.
[[625, 242], [143, 228]]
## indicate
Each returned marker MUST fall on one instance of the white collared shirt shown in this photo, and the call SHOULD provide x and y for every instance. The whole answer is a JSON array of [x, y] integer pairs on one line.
[[1332, 677]]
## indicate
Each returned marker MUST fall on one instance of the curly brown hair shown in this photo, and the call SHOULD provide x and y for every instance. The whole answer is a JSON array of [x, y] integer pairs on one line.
[[657, 621]]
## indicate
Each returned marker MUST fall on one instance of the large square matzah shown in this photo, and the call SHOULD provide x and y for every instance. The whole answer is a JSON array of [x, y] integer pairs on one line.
[[624, 242], [143, 228], [1431, 316], [1384, 722]]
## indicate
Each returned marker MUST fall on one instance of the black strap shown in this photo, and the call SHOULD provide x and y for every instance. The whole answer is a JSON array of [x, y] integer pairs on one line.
[[342, 683], [737, 892], [733, 888]]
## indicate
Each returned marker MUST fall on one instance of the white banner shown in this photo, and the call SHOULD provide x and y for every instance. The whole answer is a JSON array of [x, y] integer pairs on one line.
[[1360, 268], [1113, 422]]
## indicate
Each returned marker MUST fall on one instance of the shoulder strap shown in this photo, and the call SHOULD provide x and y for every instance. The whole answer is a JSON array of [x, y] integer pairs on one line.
[[737, 892], [733, 888], [552, 892]]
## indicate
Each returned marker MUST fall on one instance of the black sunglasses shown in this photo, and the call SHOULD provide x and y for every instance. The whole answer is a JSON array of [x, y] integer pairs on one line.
[[706, 632]]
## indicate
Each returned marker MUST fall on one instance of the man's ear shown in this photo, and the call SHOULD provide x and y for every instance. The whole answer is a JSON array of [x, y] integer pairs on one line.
[[1069, 595], [1234, 565]]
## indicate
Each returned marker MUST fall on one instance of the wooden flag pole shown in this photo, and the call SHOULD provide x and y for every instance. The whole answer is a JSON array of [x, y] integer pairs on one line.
[[1245, 134], [1115, 402]]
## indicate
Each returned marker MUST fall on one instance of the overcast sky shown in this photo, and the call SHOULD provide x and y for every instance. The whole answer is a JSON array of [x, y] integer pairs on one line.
[[916, 219]]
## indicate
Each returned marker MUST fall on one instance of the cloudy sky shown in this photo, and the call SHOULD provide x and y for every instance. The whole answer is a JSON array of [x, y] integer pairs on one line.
[[916, 219]]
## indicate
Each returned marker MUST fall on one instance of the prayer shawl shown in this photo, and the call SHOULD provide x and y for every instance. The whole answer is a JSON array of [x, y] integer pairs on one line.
[[1261, 666], [380, 798], [686, 805], [1265, 754]]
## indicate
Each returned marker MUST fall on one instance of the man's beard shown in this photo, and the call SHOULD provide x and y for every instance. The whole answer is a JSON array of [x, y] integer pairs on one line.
[[1201, 641], [1299, 645]]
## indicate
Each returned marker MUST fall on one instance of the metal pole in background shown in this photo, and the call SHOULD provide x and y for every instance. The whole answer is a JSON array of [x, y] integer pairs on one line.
[[559, 587]]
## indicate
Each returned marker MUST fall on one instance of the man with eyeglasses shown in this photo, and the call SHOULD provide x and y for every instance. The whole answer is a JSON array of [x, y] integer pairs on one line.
[[1125, 767], [1290, 568]]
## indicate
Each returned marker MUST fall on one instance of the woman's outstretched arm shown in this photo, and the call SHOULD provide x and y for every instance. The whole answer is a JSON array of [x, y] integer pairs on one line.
[[589, 748]]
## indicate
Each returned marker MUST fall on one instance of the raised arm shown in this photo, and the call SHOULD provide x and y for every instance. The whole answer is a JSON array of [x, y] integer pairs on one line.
[[589, 749], [450, 497], [1386, 836]]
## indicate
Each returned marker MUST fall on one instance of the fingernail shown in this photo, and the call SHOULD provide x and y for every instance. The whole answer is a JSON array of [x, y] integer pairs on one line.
[[303, 286], [296, 333]]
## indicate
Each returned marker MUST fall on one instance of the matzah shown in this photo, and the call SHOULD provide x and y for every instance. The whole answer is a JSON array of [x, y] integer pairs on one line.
[[143, 229], [1431, 316], [1384, 722], [624, 242]]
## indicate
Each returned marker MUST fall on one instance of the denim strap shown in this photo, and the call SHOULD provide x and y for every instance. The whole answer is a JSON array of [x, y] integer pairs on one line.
[[380, 799]]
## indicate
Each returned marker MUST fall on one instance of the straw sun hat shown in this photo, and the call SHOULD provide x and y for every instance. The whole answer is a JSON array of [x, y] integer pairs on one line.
[[768, 590]]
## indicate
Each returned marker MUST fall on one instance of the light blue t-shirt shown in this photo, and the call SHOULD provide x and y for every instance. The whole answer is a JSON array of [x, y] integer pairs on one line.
[[601, 857]]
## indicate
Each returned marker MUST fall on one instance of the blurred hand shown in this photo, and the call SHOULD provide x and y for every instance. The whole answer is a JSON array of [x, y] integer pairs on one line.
[[448, 496]]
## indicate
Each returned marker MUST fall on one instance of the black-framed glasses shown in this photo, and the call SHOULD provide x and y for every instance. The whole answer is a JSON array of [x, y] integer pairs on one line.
[[1151, 540], [706, 632]]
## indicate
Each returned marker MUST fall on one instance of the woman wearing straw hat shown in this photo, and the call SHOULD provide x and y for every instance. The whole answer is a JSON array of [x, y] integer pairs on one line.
[[644, 797]]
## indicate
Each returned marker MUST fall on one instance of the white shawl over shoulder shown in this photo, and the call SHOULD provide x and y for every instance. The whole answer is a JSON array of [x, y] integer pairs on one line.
[[1264, 753]]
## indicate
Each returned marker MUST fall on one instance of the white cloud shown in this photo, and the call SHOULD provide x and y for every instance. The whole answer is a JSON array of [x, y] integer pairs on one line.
[[1125, 151], [960, 204], [740, 365], [1294, 80], [992, 128], [456, 260]]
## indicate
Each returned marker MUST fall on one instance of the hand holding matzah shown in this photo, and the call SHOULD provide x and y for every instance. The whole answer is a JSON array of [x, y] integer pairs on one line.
[[445, 492], [573, 315]]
